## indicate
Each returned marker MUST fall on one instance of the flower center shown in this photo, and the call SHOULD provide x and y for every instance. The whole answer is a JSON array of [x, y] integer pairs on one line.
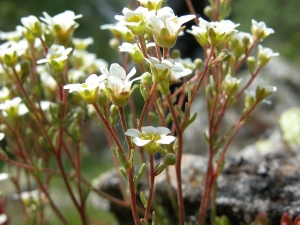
[[153, 136]]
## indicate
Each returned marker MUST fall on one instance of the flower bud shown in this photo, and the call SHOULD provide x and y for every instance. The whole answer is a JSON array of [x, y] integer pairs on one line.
[[251, 62], [263, 91], [230, 85], [176, 53], [170, 159], [199, 63], [163, 86], [209, 12], [146, 78], [145, 92], [114, 110]]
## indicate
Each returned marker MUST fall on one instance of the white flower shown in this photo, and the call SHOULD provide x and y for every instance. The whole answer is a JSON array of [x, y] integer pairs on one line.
[[162, 69], [82, 44], [135, 51], [151, 4], [62, 26], [240, 42], [264, 55], [13, 108], [3, 176], [57, 54], [119, 29], [3, 218], [4, 93], [11, 36], [260, 31], [213, 33], [88, 90], [118, 84], [165, 26], [33, 24], [150, 137], [65, 20], [2, 135], [56, 57], [175, 76], [135, 20]]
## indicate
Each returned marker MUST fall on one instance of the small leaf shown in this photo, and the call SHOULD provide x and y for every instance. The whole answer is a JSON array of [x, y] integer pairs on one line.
[[143, 199]]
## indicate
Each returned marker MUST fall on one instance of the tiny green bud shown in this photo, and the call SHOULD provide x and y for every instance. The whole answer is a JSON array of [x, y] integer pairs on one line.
[[176, 54], [114, 43], [114, 110], [230, 85], [249, 101], [138, 29], [224, 55], [49, 39], [251, 62], [264, 91], [146, 78], [163, 86], [209, 12], [170, 159], [198, 62]]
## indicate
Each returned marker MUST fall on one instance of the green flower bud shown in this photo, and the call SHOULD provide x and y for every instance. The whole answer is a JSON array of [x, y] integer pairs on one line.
[[164, 86], [209, 12], [170, 159], [176, 53], [145, 91], [138, 29], [263, 91], [49, 39], [146, 78], [251, 62], [199, 63], [230, 85], [114, 110]]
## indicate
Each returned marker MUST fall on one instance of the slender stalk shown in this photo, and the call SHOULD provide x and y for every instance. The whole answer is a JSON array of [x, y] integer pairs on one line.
[[146, 105], [133, 196], [151, 188], [244, 59], [192, 11], [179, 158], [253, 76], [108, 127]]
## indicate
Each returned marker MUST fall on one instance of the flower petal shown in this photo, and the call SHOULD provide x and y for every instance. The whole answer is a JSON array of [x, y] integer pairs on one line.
[[133, 133], [166, 140], [149, 130], [140, 142]]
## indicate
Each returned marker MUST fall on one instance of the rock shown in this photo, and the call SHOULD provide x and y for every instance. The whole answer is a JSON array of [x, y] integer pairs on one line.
[[267, 183]]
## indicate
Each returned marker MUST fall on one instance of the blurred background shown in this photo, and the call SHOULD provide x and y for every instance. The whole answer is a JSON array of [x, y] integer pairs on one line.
[[281, 15]]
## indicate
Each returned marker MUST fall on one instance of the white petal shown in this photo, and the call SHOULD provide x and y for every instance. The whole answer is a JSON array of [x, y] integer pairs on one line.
[[133, 133], [3, 176], [3, 218], [92, 79], [162, 130], [140, 142], [117, 71], [132, 72], [166, 140], [1, 137], [149, 130]]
